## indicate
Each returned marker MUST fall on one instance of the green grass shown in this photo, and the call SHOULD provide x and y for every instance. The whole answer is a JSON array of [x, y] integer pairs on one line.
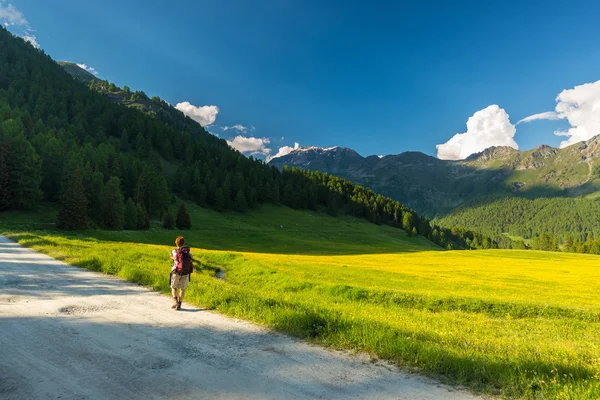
[[593, 196], [516, 238], [522, 324]]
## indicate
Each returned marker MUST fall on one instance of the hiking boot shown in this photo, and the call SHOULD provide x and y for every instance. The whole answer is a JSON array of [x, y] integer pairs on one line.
[[176, 303], [179, 305]]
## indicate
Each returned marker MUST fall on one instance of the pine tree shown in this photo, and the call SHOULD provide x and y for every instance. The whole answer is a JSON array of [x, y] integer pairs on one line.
[[240, 202], [252, 198], [24, 168], [73, 205], [201, 195], [141, 145], [52, 154], [93, 184], [4, 176], [275, 194], [407, 222], [152, 190], [219, 200], [169, 221], [130, 218], [143, 219], [183, 220], [112, 205], [568, 243]]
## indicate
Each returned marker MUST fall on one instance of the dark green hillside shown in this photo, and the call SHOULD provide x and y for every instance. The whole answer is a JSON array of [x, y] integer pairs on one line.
[[98, 157], [565, 220]]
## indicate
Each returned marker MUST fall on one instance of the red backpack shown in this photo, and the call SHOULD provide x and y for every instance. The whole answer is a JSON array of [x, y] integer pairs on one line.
[[185, 266]]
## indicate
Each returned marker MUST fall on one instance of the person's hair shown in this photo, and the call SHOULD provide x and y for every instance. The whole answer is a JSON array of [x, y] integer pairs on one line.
[[179, 241]]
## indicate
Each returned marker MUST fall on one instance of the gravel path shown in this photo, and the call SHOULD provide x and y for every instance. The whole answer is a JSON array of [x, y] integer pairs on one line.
[[69, 333]]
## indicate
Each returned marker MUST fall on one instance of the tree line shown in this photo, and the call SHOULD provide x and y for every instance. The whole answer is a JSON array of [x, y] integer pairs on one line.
[[110, 166], [560, 223]]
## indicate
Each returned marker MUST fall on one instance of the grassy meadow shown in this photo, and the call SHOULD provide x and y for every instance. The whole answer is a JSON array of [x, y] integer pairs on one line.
[[519, 324]]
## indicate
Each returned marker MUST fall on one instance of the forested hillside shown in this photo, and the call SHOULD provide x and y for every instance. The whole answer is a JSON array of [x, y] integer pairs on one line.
[[553, 223], [109, 165]]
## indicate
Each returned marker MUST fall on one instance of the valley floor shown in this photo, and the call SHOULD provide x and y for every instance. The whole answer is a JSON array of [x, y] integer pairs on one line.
[[71, 333]]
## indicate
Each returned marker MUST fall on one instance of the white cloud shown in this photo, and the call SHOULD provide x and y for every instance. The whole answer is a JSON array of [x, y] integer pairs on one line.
[[91, 70], [205, 115], [581, 107], [239, 127], [10, 16], [31, 39], [250, 145], [285, 150], [486, 128], [545, 115]]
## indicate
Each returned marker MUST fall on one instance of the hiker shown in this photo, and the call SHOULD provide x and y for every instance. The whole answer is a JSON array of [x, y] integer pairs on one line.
[[180, 272]]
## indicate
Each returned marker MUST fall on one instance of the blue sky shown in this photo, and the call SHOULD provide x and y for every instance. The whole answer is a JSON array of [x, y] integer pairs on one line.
[[380, 77]]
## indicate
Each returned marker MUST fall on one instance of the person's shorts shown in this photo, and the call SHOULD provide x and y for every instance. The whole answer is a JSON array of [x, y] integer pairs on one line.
[[179, 281]]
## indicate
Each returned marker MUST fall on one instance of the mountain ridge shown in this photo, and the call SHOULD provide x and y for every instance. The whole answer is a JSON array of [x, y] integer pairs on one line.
[[435, 186]]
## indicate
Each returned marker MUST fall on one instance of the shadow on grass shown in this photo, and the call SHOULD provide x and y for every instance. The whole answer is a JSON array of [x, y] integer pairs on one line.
[[522, 378], [228, 241]]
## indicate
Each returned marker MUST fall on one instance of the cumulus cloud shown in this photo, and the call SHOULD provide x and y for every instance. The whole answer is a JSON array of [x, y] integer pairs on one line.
[[285, 150], [204, 115], [91, 70], [486, 128], [12, 18], [545, 115], [250, 145], [581, 107]]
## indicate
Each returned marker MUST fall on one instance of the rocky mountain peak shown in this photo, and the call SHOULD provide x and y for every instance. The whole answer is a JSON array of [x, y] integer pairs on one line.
[[492, 153]]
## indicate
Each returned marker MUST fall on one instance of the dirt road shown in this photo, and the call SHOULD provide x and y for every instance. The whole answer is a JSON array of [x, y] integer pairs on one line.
[[68, 333]]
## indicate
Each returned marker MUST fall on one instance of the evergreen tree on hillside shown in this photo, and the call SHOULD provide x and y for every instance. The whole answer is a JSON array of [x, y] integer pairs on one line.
[[219, 200], [183, 220], [4, 176], [112, 205], [240, 202], [130, 217], [93, 184], [275, 195], [21, 168], [568, 243], [143, 219], [152, 190], [169, 221], [73, 205], [52, 153], [407, 222]]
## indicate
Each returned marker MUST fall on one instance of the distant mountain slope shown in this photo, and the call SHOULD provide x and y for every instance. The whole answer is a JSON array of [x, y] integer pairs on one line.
[[138, 100], [434, 186], [76, 71]]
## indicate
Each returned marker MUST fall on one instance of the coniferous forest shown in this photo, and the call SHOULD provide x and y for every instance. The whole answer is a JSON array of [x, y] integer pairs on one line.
[[567, 224], [109, 166]]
